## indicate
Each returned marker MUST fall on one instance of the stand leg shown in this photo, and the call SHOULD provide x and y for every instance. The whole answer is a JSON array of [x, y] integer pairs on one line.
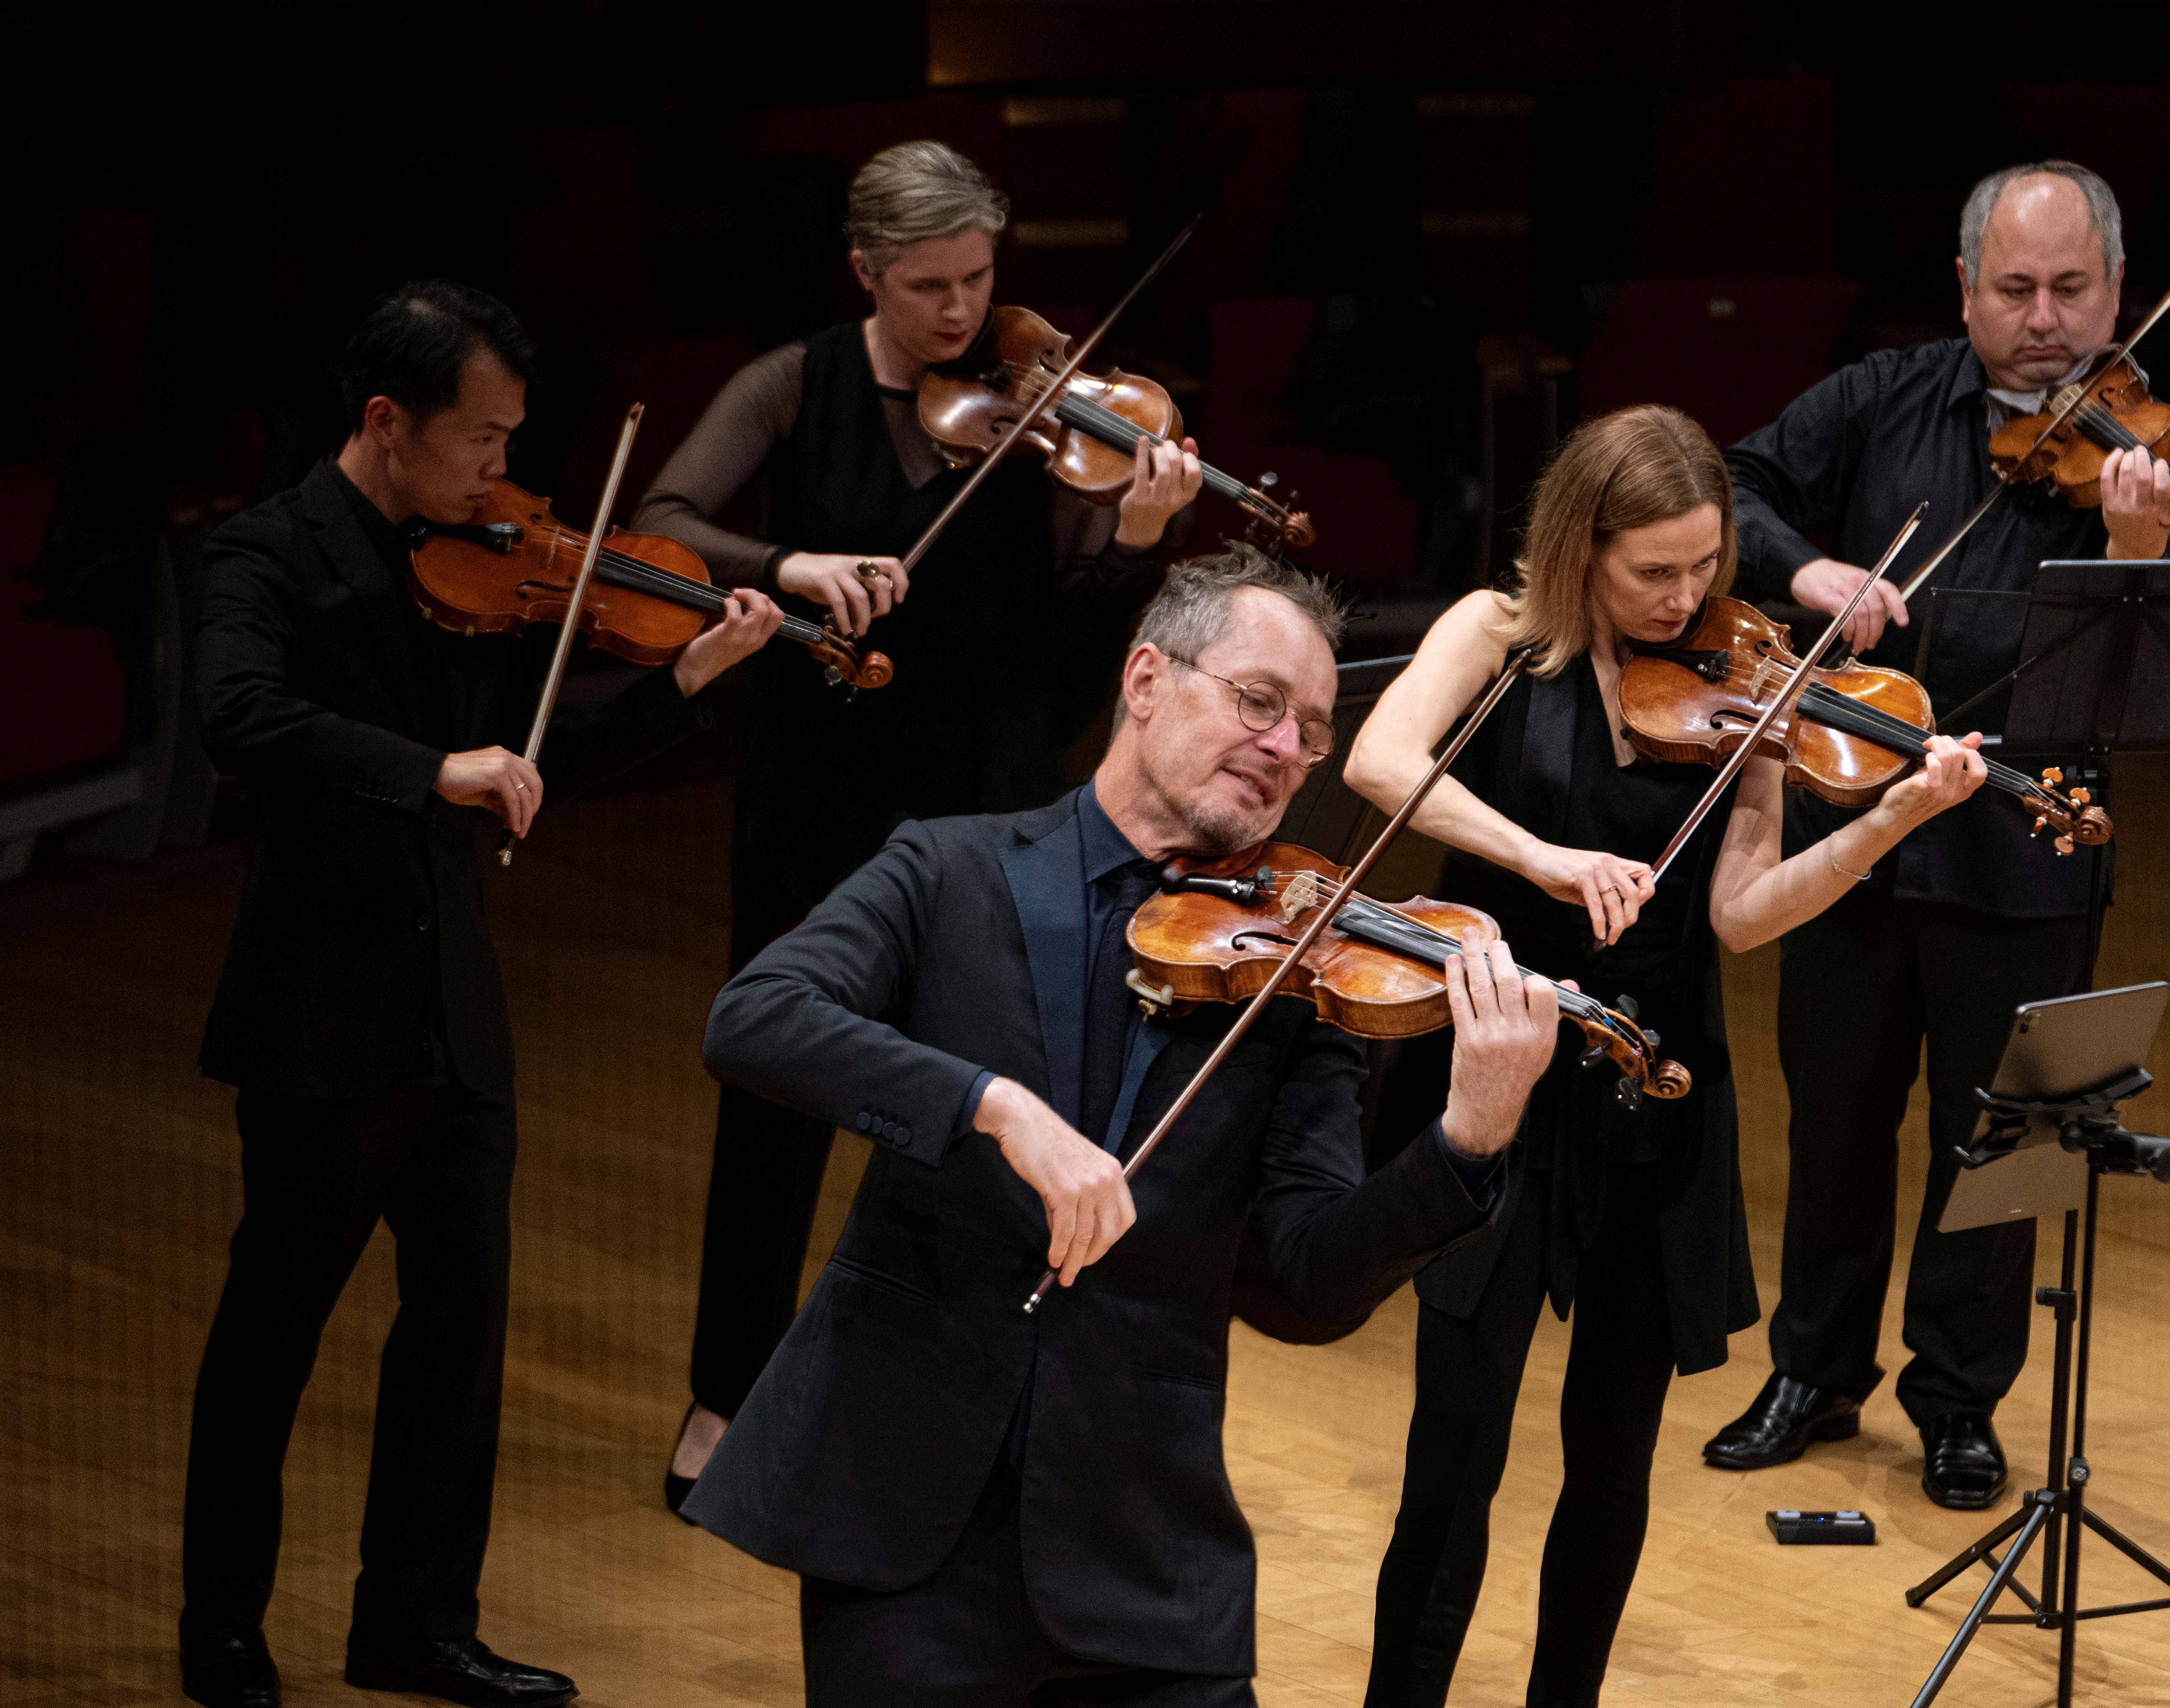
[[2124, 1545], [2042, 1504], [2068, 1628], [2059, 1399], [1973, 1553]]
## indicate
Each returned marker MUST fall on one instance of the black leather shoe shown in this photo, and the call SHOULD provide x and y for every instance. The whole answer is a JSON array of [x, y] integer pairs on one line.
[[464, 1672], [229, 1669], [676, 1488], [1777, 1428], [1962, 1461]]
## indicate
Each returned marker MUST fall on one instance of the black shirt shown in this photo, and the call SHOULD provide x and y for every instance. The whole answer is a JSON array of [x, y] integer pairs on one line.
[[1849, 459], [440, 1049]]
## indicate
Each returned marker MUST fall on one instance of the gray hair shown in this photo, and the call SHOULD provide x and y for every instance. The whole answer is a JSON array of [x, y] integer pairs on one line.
[[2102, 209], [1193, 607], [917, 192]]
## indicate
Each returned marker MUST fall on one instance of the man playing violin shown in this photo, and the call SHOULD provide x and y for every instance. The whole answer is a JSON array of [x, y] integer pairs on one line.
[[1007, 637], [1967, 918], [361, 1013], [990, 1507]]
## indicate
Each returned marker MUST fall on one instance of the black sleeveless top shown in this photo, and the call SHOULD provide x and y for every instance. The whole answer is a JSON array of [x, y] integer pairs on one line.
[[1545, 759], [969, 724]]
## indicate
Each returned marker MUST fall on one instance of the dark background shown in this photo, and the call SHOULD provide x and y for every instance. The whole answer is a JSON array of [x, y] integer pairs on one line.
[[1437, 234]]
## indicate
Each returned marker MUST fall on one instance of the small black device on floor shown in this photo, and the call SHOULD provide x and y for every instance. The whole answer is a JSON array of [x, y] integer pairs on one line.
[[1789, 1525]]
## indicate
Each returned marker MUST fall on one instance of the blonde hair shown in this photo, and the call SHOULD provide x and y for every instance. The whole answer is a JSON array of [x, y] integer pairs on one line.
[[1628, 469], [915, 192]]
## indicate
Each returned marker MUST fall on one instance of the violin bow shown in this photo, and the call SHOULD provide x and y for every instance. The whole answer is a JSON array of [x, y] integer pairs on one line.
[[548, 698], [1319, 922], [1040, 404], [2079, 396], [1784, 701]]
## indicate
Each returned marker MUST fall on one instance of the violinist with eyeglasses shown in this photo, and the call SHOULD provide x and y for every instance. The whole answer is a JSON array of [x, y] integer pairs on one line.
[[1961, 922], [1005, 638], [990, 1507], [1628, 1212]]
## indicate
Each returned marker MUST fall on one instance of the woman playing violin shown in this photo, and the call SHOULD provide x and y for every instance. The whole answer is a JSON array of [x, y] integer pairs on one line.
[[1634, 1216], [984, 700]]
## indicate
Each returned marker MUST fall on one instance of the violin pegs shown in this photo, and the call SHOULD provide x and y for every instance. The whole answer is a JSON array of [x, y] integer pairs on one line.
[[2038, 824], [2080, 797], [1627, 1094], [2064, 844], [1654, 1041], [1591, 1057], [1628, 1006], [2052, 775]]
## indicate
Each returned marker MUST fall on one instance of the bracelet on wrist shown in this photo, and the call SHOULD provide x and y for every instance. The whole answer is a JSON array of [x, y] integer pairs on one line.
[[1831, 853]]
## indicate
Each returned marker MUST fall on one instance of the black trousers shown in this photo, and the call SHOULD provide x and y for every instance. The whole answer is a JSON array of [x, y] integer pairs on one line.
[[966, 1637], [764, 1185], [1859, 988], [318, 1173], [1620, 1364]]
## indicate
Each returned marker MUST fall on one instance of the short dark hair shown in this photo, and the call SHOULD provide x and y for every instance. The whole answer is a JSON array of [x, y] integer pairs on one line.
[[416, 341]]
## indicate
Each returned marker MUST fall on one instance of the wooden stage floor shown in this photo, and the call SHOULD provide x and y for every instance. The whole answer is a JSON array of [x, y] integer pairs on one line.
[[122, 1187]]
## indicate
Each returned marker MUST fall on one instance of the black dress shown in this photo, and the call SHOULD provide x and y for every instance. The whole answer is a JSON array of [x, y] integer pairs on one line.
[[998, 650], [1634, 1217]]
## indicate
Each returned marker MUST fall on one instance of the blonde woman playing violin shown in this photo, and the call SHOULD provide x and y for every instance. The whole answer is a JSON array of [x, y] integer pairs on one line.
[[1632, 1216]]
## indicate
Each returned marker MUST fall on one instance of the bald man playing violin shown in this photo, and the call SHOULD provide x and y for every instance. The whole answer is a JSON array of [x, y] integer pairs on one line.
[[989, 1507], [1967, 918]]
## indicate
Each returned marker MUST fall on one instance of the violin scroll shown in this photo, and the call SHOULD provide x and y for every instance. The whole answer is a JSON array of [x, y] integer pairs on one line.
[[2077, 820]]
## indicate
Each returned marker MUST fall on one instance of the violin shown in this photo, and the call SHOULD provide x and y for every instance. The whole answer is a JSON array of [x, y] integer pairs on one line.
[[1856, 731], [1218, 931], [2066, 446], [515, 563], [972, 404]]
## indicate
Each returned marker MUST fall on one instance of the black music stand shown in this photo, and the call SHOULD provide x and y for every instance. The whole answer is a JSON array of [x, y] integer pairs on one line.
[[2093, 679], [2037, 1130]]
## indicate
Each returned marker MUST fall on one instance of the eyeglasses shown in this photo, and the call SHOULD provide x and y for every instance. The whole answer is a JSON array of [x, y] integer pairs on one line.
[[1261, 706]]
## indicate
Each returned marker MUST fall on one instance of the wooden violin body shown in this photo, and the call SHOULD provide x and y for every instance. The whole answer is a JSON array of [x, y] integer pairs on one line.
[[1222, 932], [1695, 702], [1089, 435], [1855, 730], [514, 563], [2110, 410]]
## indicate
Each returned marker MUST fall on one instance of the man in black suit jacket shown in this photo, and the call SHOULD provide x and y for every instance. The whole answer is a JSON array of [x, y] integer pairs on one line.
[[361, 1013], [992, 1508]]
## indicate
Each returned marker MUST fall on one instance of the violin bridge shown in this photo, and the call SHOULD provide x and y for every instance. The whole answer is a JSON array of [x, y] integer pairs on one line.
[[1305, 890]]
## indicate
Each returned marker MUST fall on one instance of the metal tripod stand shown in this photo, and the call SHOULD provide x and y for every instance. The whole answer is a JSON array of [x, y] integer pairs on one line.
[[2058, 1514]]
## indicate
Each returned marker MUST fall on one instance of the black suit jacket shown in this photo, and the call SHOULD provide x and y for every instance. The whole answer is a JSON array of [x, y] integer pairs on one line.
[[859, 1454], [314, 684]]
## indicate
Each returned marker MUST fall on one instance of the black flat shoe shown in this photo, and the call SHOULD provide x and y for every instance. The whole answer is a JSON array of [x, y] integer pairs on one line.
[[1777, 1428], [676, 1488], [229, 1669], [464, 1672], [1962, 1461]]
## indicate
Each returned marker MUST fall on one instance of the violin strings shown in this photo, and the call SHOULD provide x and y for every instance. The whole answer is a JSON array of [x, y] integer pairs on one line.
[[678, 590], [1119, 430], [1874, 724], [1311, 885]]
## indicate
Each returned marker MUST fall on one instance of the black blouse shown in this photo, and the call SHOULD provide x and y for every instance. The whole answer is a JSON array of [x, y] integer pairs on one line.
[[1545, 759]]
